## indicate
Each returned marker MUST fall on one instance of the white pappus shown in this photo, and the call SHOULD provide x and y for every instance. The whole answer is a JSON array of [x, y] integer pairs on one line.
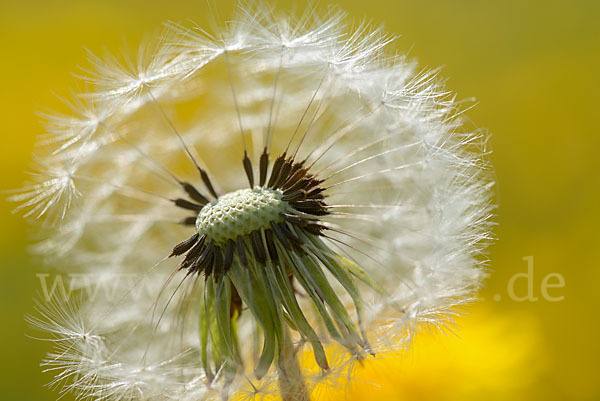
[[254, 211]]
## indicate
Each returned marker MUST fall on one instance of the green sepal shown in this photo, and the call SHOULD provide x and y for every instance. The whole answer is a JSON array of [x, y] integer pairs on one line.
[[229, 344], [333, 264], [324, 289], [286, 294], [317, 301], [254, 298], [206, 311]]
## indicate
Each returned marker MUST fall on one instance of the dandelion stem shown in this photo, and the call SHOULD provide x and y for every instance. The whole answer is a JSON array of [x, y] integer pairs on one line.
[[291, 381]]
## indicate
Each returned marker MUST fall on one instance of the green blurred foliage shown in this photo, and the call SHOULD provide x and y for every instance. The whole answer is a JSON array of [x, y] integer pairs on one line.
[[531, 65]]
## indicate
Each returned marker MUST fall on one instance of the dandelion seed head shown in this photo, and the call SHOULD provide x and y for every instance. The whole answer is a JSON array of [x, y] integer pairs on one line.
[[284, 186]]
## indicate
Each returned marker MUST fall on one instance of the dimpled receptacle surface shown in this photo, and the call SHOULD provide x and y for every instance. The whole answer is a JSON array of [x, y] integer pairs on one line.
[[240, 213]]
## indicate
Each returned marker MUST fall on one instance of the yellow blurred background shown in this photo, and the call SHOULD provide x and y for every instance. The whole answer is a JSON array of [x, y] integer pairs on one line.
[[532, 66]]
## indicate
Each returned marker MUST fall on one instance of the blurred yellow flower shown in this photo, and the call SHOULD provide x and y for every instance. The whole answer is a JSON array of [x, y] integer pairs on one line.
[[492, 356], [533, 65]]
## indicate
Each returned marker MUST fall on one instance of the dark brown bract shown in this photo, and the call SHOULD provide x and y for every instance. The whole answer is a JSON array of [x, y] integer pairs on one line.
[[302, 193]]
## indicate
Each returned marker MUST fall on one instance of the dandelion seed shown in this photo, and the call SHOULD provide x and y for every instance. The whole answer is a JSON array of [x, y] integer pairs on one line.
[[283, 188]]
